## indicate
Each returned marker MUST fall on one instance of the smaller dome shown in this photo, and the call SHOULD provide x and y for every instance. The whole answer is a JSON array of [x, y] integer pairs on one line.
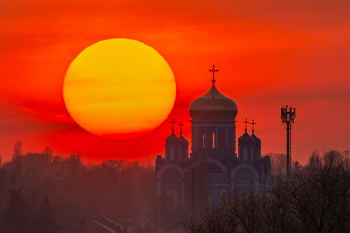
[[257, 141], [173, 139], [245, 139], [184, 141]]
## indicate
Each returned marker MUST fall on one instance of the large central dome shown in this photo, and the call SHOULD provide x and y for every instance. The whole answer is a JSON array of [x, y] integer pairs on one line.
[[213, 106]]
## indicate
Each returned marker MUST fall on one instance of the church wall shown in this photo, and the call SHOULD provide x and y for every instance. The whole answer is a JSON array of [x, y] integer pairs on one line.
[[172, 153], [257, 152], [211, 141], [246, 154], [171, 181], [184, 153], [205, 130]]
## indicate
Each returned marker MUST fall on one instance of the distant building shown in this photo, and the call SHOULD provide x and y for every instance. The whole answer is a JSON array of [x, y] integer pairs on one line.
[[213, 169]]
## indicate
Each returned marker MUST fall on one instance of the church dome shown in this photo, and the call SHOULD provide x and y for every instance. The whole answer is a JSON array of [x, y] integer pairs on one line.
[[213, 105], [245, 139], [257, 141], [173, 139], [184, 141]]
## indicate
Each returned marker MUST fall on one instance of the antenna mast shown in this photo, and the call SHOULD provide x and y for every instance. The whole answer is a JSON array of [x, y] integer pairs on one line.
[[287, 116]]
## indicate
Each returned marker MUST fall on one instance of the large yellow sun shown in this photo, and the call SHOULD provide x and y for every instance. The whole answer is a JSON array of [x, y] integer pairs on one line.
[[119, 89]]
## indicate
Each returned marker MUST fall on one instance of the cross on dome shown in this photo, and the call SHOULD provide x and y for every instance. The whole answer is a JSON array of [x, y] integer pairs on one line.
[[173, 122], [253, 123], [246, 122], [213, 71], [181, 127]]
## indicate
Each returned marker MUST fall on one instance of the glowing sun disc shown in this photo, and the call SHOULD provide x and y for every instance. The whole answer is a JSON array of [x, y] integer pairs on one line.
[[119, 89]]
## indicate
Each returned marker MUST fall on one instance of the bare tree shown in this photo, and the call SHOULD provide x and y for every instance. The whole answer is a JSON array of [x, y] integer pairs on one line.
[[315, 199]]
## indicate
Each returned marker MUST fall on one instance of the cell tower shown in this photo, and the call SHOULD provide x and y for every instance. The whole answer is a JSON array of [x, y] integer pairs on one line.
[[287, 116]]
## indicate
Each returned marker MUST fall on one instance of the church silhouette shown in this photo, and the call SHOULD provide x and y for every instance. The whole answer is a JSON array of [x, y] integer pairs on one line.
[[213, 169]]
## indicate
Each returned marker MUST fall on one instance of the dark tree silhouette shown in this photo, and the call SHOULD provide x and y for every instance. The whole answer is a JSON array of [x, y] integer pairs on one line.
[[314, 199], [118, 189], [319, 194], [14, 219], [44, 221]]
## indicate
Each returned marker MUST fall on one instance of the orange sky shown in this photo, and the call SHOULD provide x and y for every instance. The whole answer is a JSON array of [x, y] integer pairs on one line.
[[269, 53]]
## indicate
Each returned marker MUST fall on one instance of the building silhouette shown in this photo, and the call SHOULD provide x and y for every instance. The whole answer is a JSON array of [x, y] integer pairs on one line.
[[213, 168]]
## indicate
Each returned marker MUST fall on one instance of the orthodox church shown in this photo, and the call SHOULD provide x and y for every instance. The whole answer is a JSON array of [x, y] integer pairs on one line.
[[213, 169]]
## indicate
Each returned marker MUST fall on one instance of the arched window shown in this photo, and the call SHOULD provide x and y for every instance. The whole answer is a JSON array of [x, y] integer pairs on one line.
[[230, 140], [200, 140], [211, 140], [172, 195], [222, 139], [172, 154], [245, 153], [223, 195]]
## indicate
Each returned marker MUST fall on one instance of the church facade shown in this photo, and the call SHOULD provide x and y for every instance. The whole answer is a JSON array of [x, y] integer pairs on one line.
[[213, 169]]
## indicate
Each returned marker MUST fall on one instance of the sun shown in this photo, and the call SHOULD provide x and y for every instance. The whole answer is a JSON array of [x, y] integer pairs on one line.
[[119, 89]]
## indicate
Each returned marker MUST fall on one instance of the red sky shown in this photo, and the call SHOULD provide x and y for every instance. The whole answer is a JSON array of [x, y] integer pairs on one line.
[[269, 52]]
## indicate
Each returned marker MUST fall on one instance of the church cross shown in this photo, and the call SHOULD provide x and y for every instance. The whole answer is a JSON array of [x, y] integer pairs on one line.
[[253, 123], [213, 70], [246, 122], [173, 122], [181, 127]]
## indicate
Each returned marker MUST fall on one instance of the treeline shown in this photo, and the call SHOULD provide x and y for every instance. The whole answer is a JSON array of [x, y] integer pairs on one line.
[[315, 199], [71, 192], [56, 194]]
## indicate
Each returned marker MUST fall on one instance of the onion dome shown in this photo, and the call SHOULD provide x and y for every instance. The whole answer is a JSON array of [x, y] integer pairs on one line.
[[245, 139], [173, 140], [257, 141], [213, 105], [184, 141]]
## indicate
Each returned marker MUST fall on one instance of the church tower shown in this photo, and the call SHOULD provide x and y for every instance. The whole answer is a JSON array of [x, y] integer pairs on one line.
[[183, 145], [174, 147], [257, 143], [246, 147], [213, 125]]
